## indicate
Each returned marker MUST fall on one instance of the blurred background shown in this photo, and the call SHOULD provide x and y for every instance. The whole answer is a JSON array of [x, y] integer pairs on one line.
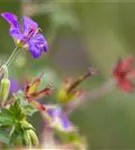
[[81, 34]]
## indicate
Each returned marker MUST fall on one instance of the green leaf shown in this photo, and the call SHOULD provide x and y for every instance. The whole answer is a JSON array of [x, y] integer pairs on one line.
[[5, 117], [8, 117], [16, 111], [4, 138], [29, 110], [26, 107], [16, 138], [14, 119]]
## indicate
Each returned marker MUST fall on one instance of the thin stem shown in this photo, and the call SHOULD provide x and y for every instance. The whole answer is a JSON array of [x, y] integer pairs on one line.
[[12, 56], [10, 59]]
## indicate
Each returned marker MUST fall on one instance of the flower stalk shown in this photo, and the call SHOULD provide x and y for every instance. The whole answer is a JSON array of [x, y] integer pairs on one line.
[[12, 56]]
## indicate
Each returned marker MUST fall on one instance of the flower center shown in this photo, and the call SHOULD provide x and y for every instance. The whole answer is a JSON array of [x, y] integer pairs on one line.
[[31, 33]]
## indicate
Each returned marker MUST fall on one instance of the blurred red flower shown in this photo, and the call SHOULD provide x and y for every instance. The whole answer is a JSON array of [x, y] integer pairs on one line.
[[123, 73]]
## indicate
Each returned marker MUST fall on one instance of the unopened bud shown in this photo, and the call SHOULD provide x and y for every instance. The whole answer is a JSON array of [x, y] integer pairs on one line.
[[33, 137], [4, 85], [27, 139], [4, 90]]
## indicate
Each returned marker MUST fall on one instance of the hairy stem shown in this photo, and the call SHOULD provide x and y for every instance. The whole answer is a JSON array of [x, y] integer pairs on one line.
[[10, 60], [12, 56]]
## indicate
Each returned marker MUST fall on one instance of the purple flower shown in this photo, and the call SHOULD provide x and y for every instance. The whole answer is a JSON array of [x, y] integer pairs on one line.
[[59, 119], [27, 34], [15, 86]]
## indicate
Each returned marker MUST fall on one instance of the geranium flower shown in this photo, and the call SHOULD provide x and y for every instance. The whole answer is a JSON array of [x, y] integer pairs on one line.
[[32, 94], [59, 120], [124, 72], [27, 34], [15, 86]]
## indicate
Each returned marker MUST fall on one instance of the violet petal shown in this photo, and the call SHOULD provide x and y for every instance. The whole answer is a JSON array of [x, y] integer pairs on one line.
[[41, 41], [65, 122], [34, 49], [57, 114], [11, 19], [15, 33], [14, 87], [28, 24]]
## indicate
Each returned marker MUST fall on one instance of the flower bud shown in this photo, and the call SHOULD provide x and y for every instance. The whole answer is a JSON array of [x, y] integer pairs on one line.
[[4, 90], [27, 139], [4, 85], [33, 137]]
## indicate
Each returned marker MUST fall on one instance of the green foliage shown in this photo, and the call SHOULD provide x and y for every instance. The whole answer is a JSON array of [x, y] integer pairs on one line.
[[27, 108], [11, 115], [4, 136], [14, 121]]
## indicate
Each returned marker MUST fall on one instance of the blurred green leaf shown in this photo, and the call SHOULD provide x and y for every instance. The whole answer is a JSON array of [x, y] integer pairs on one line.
[[9, 117], [26, 107], [5, 118], [4, 138]]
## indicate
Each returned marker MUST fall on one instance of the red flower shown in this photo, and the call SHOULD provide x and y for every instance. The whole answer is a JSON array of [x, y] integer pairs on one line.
[[124, 72], [32, 95]]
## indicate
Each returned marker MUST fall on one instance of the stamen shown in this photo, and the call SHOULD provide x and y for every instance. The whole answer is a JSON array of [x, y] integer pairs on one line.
[[32, 32], [37, 31]]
